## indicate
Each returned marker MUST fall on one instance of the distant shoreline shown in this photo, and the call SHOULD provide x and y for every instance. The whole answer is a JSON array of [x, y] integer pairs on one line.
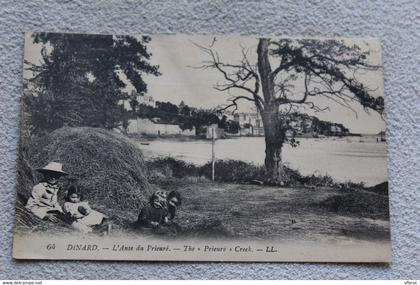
[[146, 138]]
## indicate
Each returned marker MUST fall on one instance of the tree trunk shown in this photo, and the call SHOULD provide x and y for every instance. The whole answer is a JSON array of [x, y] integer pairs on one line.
[[275, 170], [274, 139], [273, 126]]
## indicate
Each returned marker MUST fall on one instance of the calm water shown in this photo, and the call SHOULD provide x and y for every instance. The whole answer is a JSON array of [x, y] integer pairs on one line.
[[343, 159]]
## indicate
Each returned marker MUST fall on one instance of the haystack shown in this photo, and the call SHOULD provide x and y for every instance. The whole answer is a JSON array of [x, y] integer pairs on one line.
[[105, 165]]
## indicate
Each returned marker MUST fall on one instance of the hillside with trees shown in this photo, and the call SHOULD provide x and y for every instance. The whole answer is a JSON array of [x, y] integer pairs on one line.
[[188, 118]]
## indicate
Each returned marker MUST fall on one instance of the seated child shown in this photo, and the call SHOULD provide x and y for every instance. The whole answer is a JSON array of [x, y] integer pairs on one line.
[[84, 217], [154, 214]]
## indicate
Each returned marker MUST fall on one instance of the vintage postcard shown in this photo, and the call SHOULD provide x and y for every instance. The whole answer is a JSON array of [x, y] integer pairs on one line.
[[202, 148]]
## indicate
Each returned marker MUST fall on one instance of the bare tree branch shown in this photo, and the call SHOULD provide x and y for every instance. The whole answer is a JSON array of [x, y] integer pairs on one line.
[[234, 103], [237, 76], [330, 61]]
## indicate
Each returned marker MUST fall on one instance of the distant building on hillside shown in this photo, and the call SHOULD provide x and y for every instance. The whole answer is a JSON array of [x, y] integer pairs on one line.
[[214, 130], [250, 123], [247, 118], [379, 137], [155, 128], [335, 130], [230, 116]]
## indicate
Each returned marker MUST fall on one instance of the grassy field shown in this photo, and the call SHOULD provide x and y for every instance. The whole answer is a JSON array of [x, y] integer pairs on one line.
[[119, 182], [261, 212], [220, 210]]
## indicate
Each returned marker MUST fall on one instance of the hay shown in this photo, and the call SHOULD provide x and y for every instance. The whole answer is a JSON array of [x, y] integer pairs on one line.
[[106, 166], [24, 218]]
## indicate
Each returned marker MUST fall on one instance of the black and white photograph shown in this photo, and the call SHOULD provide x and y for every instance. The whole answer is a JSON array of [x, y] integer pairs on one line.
[[202, 148]]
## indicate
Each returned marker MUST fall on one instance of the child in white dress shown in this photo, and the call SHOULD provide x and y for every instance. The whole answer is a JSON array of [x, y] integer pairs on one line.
[[84, 216]]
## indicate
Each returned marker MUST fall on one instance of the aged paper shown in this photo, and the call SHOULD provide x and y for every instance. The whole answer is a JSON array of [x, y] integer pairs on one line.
[[202, 148]]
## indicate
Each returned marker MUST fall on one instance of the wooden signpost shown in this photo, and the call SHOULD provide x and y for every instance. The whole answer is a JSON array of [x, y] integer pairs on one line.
[[213, 139]]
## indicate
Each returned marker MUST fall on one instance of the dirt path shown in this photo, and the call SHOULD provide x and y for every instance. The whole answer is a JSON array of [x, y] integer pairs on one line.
[[264, 212]]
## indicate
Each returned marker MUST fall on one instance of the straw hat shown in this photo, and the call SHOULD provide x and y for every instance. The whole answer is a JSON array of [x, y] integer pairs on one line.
[[53, 168]]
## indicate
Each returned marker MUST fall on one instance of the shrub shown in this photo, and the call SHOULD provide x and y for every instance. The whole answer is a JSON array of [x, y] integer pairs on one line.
[[315, 180], [237, 171], [360, 203], [233, 171], [172, 167]]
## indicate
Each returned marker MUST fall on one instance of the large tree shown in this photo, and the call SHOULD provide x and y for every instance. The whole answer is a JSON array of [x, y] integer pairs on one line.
[[81, 79], [322, 68]]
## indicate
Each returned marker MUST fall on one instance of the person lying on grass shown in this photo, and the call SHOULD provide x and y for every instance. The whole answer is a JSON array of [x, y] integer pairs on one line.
[[160, 210], [82, 214]]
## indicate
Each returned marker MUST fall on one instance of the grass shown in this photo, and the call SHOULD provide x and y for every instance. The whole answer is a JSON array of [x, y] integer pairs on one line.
[[118, 182], [263, 212], [316, 197]]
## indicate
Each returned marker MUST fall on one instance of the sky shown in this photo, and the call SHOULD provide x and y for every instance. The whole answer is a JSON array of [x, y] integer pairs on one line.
[[179, 58], [181, 80]]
